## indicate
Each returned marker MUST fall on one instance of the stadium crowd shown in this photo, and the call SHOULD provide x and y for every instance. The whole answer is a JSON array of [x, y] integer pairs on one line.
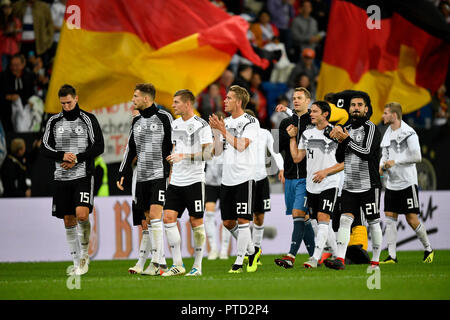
[[289, 33]]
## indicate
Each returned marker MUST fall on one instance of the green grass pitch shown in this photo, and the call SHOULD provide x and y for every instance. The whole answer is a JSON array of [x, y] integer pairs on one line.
[[410, 279]]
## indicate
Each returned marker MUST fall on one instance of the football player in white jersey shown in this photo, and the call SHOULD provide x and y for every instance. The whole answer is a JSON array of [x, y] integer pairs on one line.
[[236, 137], [192, 145], [213, 176], [322, 180], [262, 193], [400, 150]]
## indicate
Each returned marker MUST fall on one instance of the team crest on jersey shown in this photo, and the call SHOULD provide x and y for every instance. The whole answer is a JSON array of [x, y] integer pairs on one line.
[[190, 128], [78, 130], [153, 127], [60, 130], [240, 125], [138, 128], [358, 137]]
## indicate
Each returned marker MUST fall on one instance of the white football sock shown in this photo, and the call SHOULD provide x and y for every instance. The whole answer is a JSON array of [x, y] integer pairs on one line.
[[377, 239], [243, 238], [156, 235], [225, 241], [258, 233], [199, 243], [321, 239], [84, 233], [174, 240], [343, 236], [421, 233], [210, 229], [331, 240], [144, 248], [74, 244], [315, 227], [235, 231], [391, 236], [162, 252]]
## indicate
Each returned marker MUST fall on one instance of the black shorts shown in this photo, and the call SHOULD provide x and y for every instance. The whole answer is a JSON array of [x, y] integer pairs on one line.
[[367, 202], [262, 196], [212, 193], [237, 201], [67, 195], [322, 202], [191, 197], [402, 201], [138, 214], [150, 192]]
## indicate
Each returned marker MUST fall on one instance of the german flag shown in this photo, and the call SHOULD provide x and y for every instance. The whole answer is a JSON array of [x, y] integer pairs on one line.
[[107, 47], [393, 50]]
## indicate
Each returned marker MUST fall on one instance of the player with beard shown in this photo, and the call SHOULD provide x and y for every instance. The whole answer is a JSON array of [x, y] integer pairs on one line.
[[359, 148]]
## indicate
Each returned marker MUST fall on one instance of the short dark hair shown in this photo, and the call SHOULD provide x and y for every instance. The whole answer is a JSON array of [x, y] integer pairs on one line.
[[19, 56], [66, 90], [361, 96], [146, 88], [185, 95], [324, 106]]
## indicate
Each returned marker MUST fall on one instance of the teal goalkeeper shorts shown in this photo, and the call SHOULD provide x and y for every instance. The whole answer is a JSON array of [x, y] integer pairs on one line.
[[295, 195]]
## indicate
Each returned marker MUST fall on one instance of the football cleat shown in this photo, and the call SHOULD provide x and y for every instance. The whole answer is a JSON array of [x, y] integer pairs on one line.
[[194, 273], [286, 262], [337, 264], [84, 265], [389, 260], [174, 271], [236, 268], [253, 260], [152, 270], [311, 263], [428, 256], [135, 270], [325, 256], [163, 268], [374, 265]]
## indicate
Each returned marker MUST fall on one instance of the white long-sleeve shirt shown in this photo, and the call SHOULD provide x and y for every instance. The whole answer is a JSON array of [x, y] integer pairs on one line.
[[402, 146], [265, 142]]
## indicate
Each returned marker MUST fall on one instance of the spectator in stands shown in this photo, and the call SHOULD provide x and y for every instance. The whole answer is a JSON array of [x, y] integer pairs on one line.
[[282, 12], [263, 30], [14, 171], [259, 99], [305, 32], [320, 12], [280, 114], [15, 83], [38, 27], [440, 103], [245, 73], [210, 101], [303, 80], [41, 75], [305, 65], [58, 9], [10, 33], [283, 67], [225, 81]]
